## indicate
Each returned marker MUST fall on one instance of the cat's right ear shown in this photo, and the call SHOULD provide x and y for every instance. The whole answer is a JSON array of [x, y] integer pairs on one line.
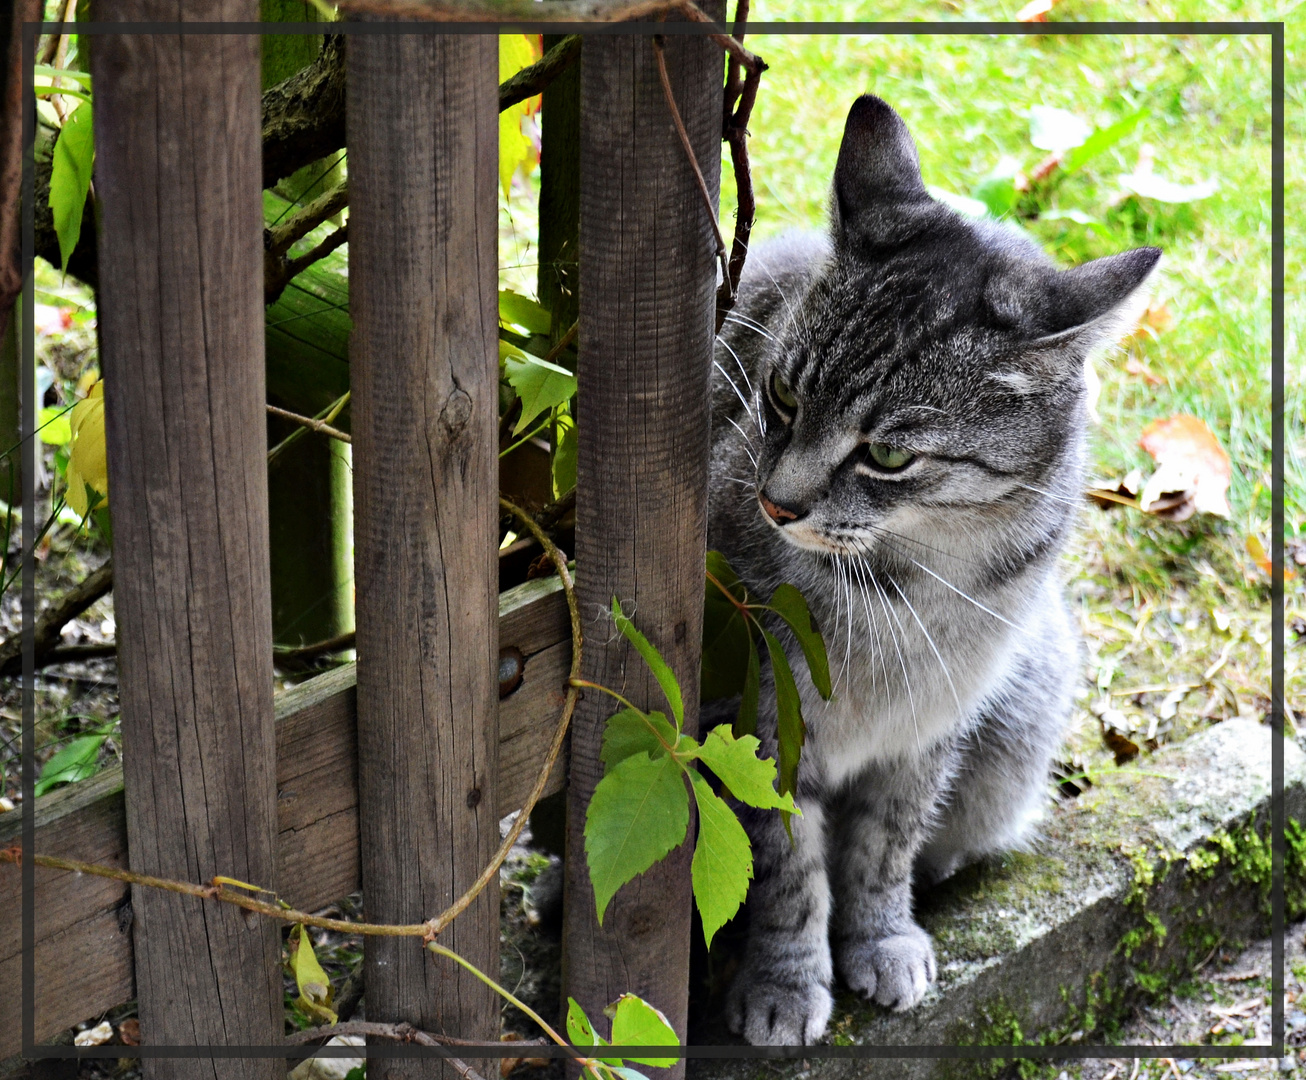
[[878, 170]]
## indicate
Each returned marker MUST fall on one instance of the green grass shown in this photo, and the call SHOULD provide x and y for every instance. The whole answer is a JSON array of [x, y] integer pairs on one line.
[[1151, 591]]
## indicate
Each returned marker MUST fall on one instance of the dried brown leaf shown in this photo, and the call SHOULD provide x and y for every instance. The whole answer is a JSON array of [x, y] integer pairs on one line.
[[1193, 470]]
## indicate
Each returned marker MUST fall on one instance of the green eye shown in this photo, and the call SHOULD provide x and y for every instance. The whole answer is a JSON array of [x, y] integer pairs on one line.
[[782, 393], [888, 457]]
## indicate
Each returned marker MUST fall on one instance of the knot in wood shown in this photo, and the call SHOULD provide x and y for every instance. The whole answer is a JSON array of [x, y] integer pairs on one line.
[[456, 412]]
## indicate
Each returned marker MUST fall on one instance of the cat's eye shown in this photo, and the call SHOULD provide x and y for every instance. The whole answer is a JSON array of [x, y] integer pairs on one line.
[[781, 393], [888, 458]]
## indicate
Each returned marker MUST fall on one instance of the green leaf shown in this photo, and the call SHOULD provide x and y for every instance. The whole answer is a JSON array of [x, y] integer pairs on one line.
[[517, 310], [315, 990], [720, 569], [76, 761], [997, 191], [580, 1032], [567, 447], [540, 384], [751, 779], [661, 671], [53, 425], [638, 813], [726, 642], [1100, 141], [358, 1072], [83, 77], [746, 718], [1056, 129], [723, 860], [637, 1023], [628, 732], [791, 730], [70, 177], [790, 605], [629, 1074]]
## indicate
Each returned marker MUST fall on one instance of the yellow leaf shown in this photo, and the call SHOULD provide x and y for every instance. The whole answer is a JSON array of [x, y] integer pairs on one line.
[[516, 149], [315, 990], [88, 465]]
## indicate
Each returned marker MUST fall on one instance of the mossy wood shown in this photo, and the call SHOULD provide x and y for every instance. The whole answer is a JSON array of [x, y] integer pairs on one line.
[[647, 286], [83, 924], [423, 298], [181, 321]]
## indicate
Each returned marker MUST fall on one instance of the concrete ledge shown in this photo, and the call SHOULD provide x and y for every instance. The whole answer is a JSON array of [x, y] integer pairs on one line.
[[1133, 886]]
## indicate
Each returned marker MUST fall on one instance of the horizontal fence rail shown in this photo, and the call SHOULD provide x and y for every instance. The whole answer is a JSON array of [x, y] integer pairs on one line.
[[83, 924]]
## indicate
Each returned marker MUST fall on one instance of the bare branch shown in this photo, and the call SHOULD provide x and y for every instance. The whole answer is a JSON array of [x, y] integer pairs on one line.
[[320, 426], [54, 620], [532, 80], [400, 1032], [278, 239]]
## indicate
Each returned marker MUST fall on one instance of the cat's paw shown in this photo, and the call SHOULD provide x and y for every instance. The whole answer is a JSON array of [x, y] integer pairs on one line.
[[894, 972], [778, 1008]]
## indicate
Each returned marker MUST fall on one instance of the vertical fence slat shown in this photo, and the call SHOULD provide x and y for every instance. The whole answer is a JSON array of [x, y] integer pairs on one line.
[[646, 292], [181, 321], [423, 227]]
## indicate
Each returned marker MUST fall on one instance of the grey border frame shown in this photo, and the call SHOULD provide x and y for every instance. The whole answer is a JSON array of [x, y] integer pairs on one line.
[[31, 1050]]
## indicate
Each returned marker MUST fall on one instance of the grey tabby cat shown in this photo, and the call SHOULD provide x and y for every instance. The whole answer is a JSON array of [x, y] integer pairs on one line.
[[899, 431]]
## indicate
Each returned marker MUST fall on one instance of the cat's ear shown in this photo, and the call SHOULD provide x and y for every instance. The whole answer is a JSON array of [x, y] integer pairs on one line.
[[1097, 303], [878, 169]]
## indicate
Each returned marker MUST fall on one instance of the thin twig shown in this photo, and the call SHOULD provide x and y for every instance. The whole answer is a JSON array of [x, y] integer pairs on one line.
[[327, 415], [279, 238], [689, 153], [278, 271], [48, 625], [401, 1032], [320, 426], [434, 926], [735, 132], [297, 653], [536, 77]]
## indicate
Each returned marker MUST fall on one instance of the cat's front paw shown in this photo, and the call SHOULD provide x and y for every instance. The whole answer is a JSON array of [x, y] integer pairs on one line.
[[778, 1007], [894, 971]]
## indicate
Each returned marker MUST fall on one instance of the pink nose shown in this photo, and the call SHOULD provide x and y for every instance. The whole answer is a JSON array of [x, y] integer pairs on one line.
[[776, 513]]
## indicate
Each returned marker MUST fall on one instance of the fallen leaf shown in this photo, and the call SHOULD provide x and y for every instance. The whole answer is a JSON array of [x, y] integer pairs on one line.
[[1262, 559], [1134, 366], [96, 1036], [1034, 11], [1192, 473], [129, 1031], [1118, 493], [1044, 168], [1124, 748], [1159, 316]]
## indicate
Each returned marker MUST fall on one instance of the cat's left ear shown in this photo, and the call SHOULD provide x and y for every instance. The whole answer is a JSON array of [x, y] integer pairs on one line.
[[1097, 303]]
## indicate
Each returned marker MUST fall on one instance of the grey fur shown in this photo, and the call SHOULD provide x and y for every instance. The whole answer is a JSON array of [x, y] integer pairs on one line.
[[936, 587]]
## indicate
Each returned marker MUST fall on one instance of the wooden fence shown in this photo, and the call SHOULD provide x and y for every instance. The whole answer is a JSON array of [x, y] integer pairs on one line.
[[391, 776]]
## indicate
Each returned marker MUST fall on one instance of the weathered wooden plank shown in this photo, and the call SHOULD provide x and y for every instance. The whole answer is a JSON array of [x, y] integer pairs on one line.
[[317, 855], [647, 277], [423, 279], [181, 331]]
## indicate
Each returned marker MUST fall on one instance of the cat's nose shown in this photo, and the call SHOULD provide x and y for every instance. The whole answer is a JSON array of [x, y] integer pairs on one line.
[[776, 512]]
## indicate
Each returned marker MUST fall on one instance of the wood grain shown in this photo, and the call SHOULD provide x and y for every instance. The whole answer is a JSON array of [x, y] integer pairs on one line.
[[647, 279], [181, 325], [83, 955], [424, 372]]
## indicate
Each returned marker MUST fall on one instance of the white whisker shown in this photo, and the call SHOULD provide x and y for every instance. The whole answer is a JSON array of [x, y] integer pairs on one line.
[[747, 441], [742, 400], [750, 324], [1049, 494], [937, 655], [950, 585]]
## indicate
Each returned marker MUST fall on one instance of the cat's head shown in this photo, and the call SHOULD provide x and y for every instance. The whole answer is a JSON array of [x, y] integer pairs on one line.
[[933, 371]]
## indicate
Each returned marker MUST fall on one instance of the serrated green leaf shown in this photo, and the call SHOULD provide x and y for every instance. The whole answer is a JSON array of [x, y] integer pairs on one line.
[[1056, 129], [746, 718], [76, 761], [70, 177], [726, 643], [637, 1023], [628, 732], [790, 605], [1101, 140], [750, 778], [518, 310], [540, 384], [580, 1032], [790, 729], [638, 813], [315, 990], [723, 860], [661, 670]]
